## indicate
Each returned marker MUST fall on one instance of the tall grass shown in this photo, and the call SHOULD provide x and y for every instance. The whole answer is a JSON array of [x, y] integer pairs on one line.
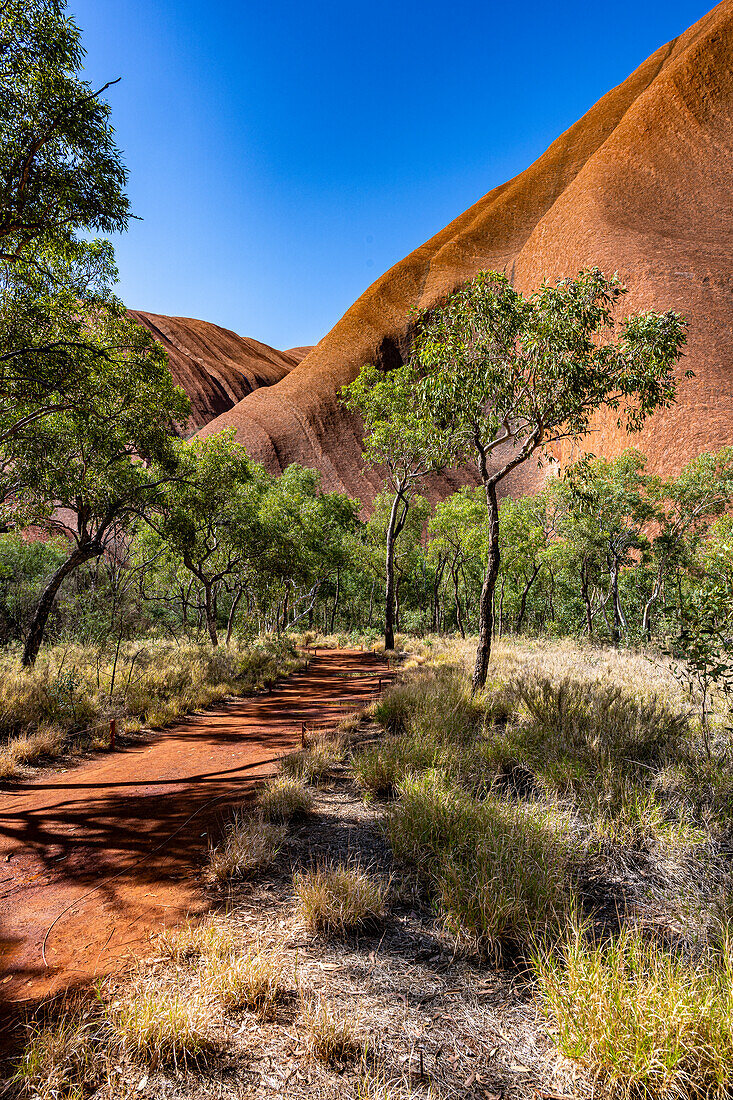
[[72, 689], [499, 871], [643, 1021]]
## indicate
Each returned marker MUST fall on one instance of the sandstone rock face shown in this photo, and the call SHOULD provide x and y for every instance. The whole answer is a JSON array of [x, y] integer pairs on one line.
[[215, 367], [642, 185]]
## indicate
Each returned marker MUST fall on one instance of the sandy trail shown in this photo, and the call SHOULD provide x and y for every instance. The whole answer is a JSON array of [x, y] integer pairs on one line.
[[132, 825]]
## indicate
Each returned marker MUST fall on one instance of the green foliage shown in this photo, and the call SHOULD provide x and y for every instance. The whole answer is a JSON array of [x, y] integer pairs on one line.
[[508, 376], [494, 359], [405, 443]]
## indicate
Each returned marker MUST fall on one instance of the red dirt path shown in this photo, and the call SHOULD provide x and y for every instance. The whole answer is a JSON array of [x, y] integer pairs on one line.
[[133, 825]]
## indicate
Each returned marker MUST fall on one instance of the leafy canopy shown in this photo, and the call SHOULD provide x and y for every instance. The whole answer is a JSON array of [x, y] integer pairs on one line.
[[501, 370]]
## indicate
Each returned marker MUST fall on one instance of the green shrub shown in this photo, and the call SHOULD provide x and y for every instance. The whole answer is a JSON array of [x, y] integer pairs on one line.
[[500, 871]]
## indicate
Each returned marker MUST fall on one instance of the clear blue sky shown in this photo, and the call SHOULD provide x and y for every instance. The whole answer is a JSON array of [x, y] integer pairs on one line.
[[283, 155]]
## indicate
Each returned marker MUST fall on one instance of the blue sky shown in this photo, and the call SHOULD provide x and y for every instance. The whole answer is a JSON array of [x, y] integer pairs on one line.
[[283, 155]]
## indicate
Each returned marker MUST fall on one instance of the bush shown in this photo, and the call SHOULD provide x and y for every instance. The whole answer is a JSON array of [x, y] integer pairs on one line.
[[643, 1021], [340, 899]]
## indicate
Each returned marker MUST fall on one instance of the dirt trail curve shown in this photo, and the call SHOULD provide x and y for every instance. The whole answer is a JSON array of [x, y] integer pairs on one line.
[[132, 826]]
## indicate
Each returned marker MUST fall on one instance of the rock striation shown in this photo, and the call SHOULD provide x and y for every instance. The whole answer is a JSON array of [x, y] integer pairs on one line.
[[642, 185], [215, 367]]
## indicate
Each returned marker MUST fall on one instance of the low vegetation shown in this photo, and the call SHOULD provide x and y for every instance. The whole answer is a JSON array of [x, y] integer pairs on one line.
[[311, 764], [644, 1020], [519, 807], [63, 1059], [248, 845], [161, 1026], [67, 699], [332, 1037], [252, 979], [284, 798], [340, 899]]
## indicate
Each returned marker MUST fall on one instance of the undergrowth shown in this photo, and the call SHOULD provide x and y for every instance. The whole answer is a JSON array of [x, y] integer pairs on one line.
[[67, 699], [522, 807]]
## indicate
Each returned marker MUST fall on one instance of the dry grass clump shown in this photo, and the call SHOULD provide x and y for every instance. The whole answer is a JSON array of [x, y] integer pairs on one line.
[[312, 764], [378, 768], [434, 700], [249, 845], [61, 1061], [643, 1021], [30, 748], [162, 1026], [252, 980], [331, 1036], [284, 798], [209, 937], [340, 899]]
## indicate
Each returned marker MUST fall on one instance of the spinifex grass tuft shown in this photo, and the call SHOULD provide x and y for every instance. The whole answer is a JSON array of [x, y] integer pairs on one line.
[[644, 1021], [340, 899]]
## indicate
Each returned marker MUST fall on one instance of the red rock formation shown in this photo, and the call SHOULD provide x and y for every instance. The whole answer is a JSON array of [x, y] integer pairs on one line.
[[214, 366], [642, 185]]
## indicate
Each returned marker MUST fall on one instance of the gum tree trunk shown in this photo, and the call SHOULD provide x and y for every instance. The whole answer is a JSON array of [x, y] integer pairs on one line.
[[33, 642], [395, 525], [486, 602]]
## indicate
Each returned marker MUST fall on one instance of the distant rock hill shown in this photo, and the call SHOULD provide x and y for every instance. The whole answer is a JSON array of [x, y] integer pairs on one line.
[[642, 185], [214, 366]]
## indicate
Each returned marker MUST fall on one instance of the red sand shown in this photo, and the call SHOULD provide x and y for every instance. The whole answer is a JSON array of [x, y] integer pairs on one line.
[[132, 827]]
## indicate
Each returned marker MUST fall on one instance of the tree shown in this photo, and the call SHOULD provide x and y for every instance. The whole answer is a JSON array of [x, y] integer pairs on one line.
[[457, 533], [208, 516], [86, 469], [404, 443], [510, 376], [307, 540], [687, 504], [527, 528], [61, 179], [610, 503]]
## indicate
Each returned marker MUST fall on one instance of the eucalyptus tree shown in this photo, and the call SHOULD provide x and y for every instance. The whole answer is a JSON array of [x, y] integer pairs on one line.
[[457, 533], [528, 529], [687, 506], [87, 470], [403, 442], [61, 181], [509, 376], [308, 541], [611, 505], [208, 516]]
